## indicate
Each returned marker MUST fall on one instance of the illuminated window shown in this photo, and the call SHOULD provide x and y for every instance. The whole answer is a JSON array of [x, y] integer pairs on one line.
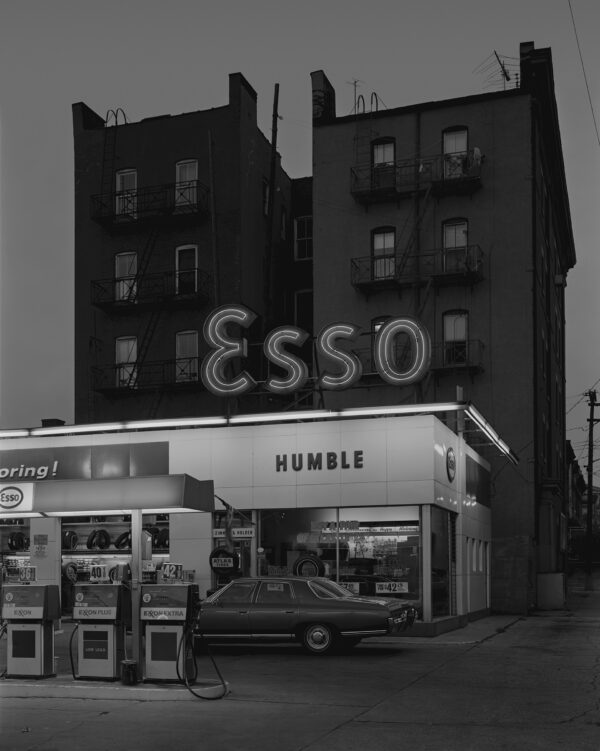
[[455, 337], [126, 193], [186, 269], [455, 142], [383, 244], [126, 361], [455, 245], [186, 183], [303, 238], [186, 356], [125, 276]]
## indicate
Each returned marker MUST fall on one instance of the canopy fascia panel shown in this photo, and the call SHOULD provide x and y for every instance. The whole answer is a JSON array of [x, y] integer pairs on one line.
[[153, 494]]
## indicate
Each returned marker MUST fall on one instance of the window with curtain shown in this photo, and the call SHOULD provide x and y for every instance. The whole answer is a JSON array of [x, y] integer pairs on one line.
[[125, 276], [455, 245], [186, 183], [186, 356], [126, 361], [455, 145], [455, 337], [383, 251], [383, 173], [126, 193]]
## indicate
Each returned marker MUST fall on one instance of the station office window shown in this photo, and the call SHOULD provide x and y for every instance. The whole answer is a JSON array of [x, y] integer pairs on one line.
[[371, 550]]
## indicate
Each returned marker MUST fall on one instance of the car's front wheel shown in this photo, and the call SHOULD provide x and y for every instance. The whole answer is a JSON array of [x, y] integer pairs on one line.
[[319, 638]]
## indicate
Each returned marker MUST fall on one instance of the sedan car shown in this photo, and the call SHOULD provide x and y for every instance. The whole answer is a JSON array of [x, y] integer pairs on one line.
[[314, 611]]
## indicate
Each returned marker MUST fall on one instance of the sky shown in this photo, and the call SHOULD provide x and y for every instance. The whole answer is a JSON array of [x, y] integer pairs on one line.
[[152, 57]]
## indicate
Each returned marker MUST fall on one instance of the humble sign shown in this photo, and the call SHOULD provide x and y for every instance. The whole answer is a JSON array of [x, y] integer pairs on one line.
[[339, 369]]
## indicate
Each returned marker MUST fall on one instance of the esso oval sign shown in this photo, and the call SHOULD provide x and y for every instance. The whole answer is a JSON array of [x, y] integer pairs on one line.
[[11, 497]]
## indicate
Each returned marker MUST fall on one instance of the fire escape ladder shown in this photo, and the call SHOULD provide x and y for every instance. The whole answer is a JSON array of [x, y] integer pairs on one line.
[[403, 260], [109, 153]]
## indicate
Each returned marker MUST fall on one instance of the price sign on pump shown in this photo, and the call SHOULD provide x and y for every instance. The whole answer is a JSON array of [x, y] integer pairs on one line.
[[98, 573], [172, 571], [27, 574]]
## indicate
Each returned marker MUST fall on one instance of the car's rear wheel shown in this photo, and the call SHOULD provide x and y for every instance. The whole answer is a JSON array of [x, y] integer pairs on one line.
[[319, 638]]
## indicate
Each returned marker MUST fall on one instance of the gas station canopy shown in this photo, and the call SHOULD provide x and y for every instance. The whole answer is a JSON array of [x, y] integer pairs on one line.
[[166, 494]]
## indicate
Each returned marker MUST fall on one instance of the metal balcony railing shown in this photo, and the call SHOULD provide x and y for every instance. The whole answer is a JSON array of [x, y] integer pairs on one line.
[[457, 173], [463, 265], [188, 199], [132, 378], [184, 288], [445, 356], [458, 355]]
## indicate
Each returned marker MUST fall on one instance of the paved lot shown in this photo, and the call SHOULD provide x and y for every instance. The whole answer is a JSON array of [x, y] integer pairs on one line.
[[500, 683]]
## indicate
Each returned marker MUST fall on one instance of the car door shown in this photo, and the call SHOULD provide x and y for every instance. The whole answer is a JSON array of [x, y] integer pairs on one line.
[[275, 610], [227, 614]]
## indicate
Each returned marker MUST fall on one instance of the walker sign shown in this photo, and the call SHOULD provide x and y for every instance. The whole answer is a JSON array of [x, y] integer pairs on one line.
[[339, 369], [16, 497]]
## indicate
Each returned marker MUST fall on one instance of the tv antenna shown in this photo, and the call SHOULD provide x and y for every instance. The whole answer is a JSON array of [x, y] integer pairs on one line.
[[498, 71]]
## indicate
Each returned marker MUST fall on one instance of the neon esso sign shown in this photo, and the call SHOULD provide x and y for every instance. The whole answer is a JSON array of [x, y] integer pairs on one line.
[[338, 369]]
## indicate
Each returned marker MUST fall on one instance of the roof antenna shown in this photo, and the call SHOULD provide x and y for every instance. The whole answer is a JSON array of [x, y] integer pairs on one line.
[[505, 73], [354, 82]]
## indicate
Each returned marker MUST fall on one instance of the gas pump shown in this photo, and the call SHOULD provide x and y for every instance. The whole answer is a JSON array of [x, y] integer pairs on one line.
[[30, 611], [103, 613], [167, 611]]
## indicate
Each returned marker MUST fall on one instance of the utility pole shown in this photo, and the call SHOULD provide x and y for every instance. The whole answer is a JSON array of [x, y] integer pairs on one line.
[[589, 540]]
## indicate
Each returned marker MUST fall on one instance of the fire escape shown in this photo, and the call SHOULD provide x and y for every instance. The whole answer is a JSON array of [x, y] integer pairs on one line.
[[422, 180], [143, 214]]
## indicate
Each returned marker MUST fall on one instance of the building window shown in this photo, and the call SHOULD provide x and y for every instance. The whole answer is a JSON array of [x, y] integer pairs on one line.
[[303, 238], [186, 356], [384, 153], [125, 276], [186, 270], [383, 174], [186, 183], [383, 252], [126, 193], [455, 144], [455, 245], [455, 337], [126, 362]]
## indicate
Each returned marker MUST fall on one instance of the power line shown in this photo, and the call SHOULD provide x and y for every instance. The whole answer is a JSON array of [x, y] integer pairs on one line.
[[584, 74]]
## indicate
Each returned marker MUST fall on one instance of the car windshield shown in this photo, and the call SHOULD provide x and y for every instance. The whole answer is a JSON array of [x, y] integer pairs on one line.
[[328, 588]]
